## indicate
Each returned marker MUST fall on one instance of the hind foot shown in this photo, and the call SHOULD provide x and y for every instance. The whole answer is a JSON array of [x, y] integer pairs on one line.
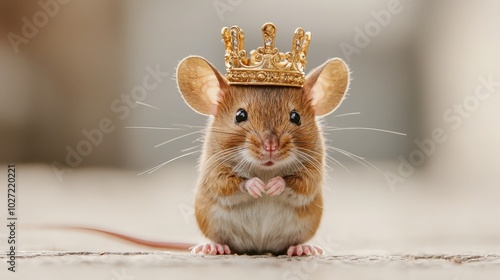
[[304, 250], [211, 249]]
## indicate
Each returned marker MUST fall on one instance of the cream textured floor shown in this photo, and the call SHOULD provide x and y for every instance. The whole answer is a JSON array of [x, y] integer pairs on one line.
[[425, 229]]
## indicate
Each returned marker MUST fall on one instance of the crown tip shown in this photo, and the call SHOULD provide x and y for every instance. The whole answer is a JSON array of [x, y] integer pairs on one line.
[[268, 26], [266, 65]]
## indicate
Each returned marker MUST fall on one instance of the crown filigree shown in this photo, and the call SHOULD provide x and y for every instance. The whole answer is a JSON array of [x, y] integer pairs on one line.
[[266, 65]]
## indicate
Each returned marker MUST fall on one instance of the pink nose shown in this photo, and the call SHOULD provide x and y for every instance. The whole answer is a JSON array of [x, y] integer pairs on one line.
[[271, 143]]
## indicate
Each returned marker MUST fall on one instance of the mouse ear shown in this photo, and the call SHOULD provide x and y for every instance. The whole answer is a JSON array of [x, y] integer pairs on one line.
[[326, 85], [200, 84]]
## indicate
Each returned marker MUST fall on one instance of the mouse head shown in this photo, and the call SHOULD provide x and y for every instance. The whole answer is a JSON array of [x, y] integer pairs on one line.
[[265, 127]]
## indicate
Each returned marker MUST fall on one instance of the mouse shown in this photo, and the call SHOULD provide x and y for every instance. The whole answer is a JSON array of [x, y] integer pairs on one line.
[[262, 166]]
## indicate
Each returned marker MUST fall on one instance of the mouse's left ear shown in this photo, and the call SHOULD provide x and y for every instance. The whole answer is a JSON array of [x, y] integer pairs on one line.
[[200, 84], [327, 85]]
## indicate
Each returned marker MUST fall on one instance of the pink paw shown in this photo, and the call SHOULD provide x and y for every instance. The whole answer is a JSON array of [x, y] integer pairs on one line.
[[211, 249], [275, 186], [304, 250], [255, 187]]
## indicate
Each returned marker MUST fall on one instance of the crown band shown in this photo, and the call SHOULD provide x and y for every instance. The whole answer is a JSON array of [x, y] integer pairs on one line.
[[266, 65]]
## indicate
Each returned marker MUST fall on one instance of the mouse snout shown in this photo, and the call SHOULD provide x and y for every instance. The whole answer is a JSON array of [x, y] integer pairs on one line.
[[270, 143]]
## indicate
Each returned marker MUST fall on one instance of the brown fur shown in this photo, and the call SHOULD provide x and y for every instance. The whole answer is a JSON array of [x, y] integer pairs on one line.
[[268, 108]]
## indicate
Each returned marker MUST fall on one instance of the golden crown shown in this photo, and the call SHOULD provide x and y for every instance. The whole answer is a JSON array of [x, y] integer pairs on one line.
[[266, 65]]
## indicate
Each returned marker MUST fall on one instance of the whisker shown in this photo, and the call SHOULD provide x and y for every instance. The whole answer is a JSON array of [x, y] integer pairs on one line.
[[311, 160], [154, 128], [299, 165], [189, 125], [339, 163], [244, 161], [147, 105], [366, 128], [331, 158], [177, 138], [192, 148], [345, 152], [357, 158], [151, 170], [347, 114], [215, 157]]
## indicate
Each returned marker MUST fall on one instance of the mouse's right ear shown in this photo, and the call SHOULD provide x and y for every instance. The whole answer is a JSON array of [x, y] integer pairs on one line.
[[327, 85], [200, 84]]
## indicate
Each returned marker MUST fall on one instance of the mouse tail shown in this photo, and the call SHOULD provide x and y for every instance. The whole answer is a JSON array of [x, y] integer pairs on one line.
[[139, 241]]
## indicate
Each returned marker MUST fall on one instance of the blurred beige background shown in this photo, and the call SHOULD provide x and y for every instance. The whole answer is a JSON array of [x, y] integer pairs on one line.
[[429, 69], [86, 62], [78, 66]]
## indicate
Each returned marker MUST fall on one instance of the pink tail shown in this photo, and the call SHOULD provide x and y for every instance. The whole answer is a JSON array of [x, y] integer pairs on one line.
[[135, 240]]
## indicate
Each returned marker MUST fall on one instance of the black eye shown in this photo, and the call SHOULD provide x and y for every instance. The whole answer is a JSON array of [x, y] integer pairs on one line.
[[294, 117], [241, 116]]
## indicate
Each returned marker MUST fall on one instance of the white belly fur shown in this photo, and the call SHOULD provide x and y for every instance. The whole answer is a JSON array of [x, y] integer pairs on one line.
[[260, 225]]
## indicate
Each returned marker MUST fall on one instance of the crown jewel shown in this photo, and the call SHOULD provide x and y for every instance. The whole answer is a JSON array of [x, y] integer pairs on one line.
[[266, 65]]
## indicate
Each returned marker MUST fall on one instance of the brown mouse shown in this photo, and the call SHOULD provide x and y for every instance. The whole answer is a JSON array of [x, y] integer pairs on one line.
[[263, 160], [260, 189]]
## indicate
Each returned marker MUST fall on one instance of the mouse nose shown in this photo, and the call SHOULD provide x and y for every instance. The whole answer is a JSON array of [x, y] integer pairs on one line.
[[271, 143]]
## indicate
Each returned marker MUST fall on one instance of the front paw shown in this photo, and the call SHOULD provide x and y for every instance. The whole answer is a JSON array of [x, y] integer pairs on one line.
[[255, 187], [275, 186]]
